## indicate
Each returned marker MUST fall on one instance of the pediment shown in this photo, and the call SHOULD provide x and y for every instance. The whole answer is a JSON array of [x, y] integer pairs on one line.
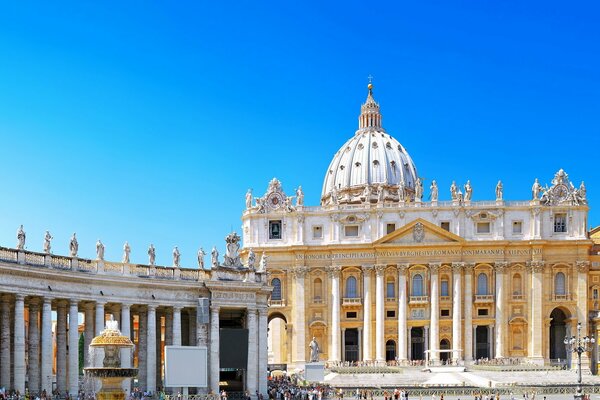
[[419, 231]]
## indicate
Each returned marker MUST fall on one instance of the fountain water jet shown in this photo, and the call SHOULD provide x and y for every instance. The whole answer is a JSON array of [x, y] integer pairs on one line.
[[111, 374]]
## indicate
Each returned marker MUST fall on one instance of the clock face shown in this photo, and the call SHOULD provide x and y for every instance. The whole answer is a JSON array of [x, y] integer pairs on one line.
[[561, 192], [275, 200]]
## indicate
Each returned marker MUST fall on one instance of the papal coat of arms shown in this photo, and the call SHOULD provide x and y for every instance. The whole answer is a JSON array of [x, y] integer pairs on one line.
[[419, 232]]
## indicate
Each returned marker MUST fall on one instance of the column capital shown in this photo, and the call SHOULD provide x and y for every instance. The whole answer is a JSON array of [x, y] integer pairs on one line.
[[380, 269], [125, 305], [536, 266], [19, 297], [48, 300], [500, 266], [434, 267], [263, 312], [61, 303], [367, 268], [34, 303], [74, 303], [100, 303], [582, 266], [88, 305], [152, 307], [334, 271], [402, 268], [179, 308], [469, 267], [300, 272], [214, 308], [457, 267]]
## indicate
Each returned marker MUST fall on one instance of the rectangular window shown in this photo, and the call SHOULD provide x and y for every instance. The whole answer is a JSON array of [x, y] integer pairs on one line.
[[445, 225], [351, 314], [483, 227], [482, 312], [390, 314], [560, 223], [390, 228], [275, 229], [444, 288], [351, 231], [317, 232], [517, 227], [390, 290], [445, 313]]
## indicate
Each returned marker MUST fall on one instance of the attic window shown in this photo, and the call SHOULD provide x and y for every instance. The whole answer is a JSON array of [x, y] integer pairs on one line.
[[388, 145], [375, 163], [330, 171], [374, 145], [357, 164], [399, 147], [360, 146], [393, 164], [342, 167], [348, 148], [483, 215]]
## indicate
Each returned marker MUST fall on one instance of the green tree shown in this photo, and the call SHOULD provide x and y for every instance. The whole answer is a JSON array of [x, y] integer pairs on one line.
[[81, 350]]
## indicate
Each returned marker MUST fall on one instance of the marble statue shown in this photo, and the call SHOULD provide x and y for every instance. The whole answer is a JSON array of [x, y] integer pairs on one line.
[[367, 193], [20, 238], [232, 256], [454, 191], [287, 204], [251, 259], [262, 265], [99, 250], [47, 242], [214, 258], [499, 191], [73, 246], [200, 255], [401, 191], [536, 189], [260, 204], [314, 350], [419, 189], [334, 195], [249, 199], [582, 192], [299, 196], [459, 196], [434, 191], [380, 194], [126, 251], [468, 191], [151, 254], [176, 257]]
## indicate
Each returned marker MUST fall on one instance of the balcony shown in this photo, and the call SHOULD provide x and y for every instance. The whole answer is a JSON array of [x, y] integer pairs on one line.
[[445, 299], [419, 299], [562, 297], [484, 298], [277, 303], [390, 299], [518, 297], [317, 300], [351, 301]]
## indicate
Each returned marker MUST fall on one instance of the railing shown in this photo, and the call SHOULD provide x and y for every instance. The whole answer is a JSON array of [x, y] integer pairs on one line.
[[418, 299], [562, 297], [351, 301], [8, 255], [60, 262], [518, 297], [422, 204], [390, 299], [87, 266], [140, 270], [187, 274], [277, 303], [484, 298], [164, 272], [113, 268], [445, 298], [35, 259]]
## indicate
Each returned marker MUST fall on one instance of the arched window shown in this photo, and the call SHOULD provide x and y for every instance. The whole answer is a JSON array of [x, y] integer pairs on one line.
[[417, 285], [351, 288], [317, 290], [444, 289], [482, 284], [559, 284], [517, 284], [390, 289], [276, 294]]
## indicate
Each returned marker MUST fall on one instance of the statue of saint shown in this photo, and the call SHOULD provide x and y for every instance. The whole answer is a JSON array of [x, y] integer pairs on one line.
[[459, 196], [214, 255], [73, 246], [249, 199], [434, 191], [47, 245], [453, 191], [380, 194], [401, 191], [468, 191], [176, 257], [419, 189], [536, 189], [582, 192], [201, 254], [299, 196], [334, 196], [151, 254], [126, 251], [314, 350], [20, 238], [251, 259], [262, 265], [99, 250], [499, 190], [367, 193]]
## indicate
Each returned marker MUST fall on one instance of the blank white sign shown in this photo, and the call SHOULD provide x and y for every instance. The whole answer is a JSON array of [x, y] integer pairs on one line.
[[186, 366]]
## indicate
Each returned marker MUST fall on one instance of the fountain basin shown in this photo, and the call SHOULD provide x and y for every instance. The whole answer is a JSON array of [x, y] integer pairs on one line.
[[112, 381], [102, 372]]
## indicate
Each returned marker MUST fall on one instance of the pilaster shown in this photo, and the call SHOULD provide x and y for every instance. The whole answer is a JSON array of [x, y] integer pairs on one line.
[[468, 302], [457, 302], [47, 346], [334, 274], [500, 268], [299, 320], [536, 329], [402, 315]]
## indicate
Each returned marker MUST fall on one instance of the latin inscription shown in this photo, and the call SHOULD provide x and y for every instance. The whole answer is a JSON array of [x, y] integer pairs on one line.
[[421, 253]]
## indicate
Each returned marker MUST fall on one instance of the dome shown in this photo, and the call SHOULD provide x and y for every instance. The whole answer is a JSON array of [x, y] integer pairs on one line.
[[370, 167]]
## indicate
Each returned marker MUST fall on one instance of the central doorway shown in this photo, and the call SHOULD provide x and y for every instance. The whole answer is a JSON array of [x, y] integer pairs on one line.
[[482, 342], [417, 343], [444, 356], [558, 331], [351, 347]]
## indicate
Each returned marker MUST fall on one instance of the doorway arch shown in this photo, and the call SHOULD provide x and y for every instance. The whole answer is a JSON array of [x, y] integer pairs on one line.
[[444, 356], [277, 339], [558, 331]]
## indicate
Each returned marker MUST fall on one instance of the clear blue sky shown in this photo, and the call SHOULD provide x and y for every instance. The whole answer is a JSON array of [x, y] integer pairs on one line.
[[147, 121]]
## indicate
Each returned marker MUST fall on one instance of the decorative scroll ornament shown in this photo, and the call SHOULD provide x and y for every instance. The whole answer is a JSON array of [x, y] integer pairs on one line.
[[562, 192], [274, 199], [232, 256], [418, 232]]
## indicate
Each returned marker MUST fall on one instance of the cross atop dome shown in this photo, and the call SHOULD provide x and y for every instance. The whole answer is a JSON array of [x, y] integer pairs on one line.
[[370, 117]]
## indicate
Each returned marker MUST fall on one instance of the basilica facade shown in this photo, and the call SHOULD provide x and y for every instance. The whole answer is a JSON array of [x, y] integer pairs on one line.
[[383, 271]]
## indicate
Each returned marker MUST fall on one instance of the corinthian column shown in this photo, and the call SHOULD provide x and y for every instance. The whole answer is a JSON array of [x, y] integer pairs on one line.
[[468, 350], [100, 318], [5, 343], [367, 312], [536, 329], [73, 348], [299, 273], [214, 349], [334, 275], [177, 326], [142, 349], [19, 343], [126, 352], [88, 333], [151, 350], [434, 343], [402, 325], [456, 311], [379, 314], [47, 348], [500, 323], [34, 346], [252, 371], [61, 347]]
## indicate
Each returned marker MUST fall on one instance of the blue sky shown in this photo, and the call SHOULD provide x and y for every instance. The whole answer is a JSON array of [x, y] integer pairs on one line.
[[147, 121]]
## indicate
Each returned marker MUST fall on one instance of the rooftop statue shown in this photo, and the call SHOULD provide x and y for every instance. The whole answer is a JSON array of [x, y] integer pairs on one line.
[[536, 190], [499, 190], [251, 259], [214, 258], [419, 189], [249, 199], [47, 242], [262, 266], [468, 191], [99, 250], [299, 196], [73, 246], [380, 194], [20, 238], [434, 191], [126, 251], [176, 257], [151, 254], [200, 255], [454, 191]]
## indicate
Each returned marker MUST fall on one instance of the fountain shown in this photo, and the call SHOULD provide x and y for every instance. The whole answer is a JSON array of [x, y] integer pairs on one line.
[[111, 374]]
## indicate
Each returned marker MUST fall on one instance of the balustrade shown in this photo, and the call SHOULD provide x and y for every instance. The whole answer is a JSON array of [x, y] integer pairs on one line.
[[8, 255]]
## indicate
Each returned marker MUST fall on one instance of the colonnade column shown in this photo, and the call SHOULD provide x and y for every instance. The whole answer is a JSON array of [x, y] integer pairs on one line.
[[263, 328], [126, 352], [252, 372], [47, 348], [88, 333], [299, 273], [100, 318], [73, 348], [168, 327], [33, 353], [151, 350], [142, 349], [19, 344], [379, 315], [177, 326], [61, 346], [334, 274], [456, 311], [366, 347], [5, 343], [434, 319], [500, 323], [536, 328], [214, 349], [402, 317], [468, 350]]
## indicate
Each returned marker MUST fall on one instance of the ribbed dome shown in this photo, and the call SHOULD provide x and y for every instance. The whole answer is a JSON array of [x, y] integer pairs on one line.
[[369, 163]]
